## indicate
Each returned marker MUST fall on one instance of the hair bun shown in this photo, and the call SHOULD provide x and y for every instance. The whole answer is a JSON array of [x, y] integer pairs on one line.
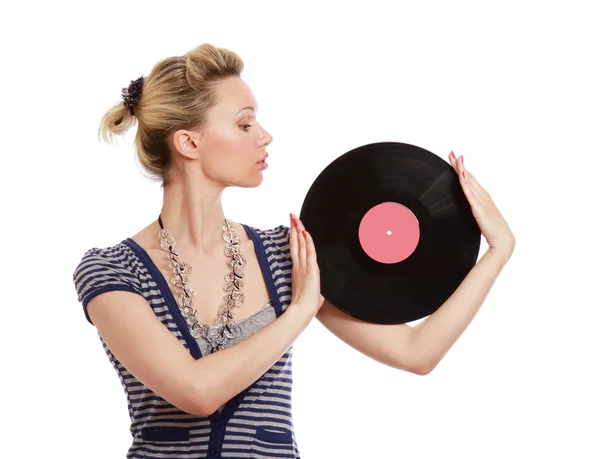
[[131, 94]]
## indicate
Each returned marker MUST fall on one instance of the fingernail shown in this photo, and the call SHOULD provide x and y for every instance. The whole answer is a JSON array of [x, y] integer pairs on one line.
[[303, 233], [452, 154], [463, 174], [462, 159]]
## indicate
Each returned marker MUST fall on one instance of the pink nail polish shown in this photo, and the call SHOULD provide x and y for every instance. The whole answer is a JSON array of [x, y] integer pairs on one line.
[[452, 154], [463, 174]]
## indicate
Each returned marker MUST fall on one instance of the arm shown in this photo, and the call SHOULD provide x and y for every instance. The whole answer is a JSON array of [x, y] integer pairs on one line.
[[155, 357], [434, 336], [420, 348]]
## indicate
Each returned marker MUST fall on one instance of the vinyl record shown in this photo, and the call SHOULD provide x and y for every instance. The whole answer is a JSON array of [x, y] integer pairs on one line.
[[393, 230]]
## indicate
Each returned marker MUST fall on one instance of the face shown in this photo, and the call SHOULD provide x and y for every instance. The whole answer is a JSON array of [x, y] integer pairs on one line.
[[229, 147]]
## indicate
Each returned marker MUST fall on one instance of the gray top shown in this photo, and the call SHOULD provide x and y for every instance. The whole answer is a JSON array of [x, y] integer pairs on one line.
[[245, 328]]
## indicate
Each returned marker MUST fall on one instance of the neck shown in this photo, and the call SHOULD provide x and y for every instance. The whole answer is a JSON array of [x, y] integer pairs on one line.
[[193, 215]]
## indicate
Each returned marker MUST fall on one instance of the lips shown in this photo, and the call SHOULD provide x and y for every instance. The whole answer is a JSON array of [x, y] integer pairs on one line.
[[263, 158]]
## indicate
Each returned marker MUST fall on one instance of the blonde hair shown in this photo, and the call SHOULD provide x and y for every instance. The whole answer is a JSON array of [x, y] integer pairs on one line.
[[177, 94]]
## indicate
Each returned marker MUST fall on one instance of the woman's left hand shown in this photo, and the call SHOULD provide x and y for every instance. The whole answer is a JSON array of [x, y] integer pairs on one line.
[[491, 222]]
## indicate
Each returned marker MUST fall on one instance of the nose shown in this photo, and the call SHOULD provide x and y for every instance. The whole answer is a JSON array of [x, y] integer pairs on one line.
[[265, 138]]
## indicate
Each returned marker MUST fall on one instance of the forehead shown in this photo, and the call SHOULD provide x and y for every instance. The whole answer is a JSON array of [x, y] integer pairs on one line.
[[233, 95]]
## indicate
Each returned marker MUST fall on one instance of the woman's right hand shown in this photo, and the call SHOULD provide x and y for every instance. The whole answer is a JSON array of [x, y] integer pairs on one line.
[[306, 276]]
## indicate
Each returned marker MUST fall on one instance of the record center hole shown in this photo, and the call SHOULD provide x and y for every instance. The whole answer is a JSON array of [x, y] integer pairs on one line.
[[389, 233]]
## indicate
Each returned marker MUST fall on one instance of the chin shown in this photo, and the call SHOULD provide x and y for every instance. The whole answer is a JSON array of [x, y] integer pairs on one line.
[[250, 182]]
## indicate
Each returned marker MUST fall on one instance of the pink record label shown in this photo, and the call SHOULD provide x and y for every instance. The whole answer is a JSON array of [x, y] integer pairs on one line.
[[389, 232]]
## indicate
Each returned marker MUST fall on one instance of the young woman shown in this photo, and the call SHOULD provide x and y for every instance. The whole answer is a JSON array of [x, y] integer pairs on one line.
[[198, 313]]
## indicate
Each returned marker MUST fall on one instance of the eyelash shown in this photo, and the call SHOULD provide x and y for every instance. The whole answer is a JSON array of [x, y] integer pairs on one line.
[[246, 126]]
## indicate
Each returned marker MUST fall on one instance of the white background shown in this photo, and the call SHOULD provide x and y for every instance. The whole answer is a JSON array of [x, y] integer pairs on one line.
[[514, 86]]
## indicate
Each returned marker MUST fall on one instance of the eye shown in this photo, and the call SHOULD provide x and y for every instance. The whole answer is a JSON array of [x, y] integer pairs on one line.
[[245, 127]]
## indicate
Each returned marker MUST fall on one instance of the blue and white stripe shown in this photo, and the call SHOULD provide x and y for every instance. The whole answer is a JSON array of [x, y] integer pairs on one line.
[[257, 423]]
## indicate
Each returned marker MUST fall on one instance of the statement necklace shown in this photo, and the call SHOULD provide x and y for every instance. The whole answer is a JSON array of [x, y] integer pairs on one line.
[[216, 338]]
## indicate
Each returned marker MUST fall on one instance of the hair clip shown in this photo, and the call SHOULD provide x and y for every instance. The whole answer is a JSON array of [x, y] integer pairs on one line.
[[131, 94]]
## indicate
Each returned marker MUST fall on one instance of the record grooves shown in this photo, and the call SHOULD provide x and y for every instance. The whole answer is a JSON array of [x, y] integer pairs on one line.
[[394, 233]]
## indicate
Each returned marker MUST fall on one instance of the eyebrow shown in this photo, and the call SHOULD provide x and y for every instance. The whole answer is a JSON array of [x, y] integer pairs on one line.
[[249, 108]]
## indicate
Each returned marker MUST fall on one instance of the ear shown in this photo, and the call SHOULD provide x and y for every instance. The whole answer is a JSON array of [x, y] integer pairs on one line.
[[187, 142]]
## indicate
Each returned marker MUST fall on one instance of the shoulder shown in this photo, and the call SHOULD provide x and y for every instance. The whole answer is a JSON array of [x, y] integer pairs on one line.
[[118, 257], [104, 269], [275, 238], [279, 234]]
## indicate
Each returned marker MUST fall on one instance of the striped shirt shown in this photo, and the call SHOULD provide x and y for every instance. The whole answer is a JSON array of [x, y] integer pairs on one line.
[[257, 423]]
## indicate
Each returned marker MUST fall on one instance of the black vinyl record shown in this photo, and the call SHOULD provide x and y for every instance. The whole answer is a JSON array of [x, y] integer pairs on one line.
[[393, 230]]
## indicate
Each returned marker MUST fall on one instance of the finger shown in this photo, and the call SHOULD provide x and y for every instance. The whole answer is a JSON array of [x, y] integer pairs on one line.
[[464, 182], [467, 190], [301, 245], [311, 251], [473, 190], [300, 225], [476, 185], [468, 176], [301, 228], [452, 159], [293, 242]]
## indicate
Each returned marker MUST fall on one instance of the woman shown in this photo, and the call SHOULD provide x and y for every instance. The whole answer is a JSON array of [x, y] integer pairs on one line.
[[207, 373]]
